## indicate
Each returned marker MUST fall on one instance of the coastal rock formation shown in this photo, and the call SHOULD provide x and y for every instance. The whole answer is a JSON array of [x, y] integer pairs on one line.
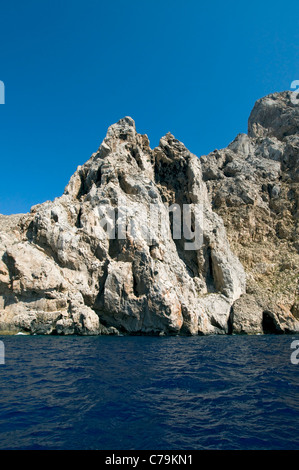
[[158, 241], [253, 185]]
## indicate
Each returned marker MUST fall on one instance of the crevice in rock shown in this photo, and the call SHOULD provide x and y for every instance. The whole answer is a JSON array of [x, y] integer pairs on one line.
[[122, 184], [99, 253], [31, 231], [98, 305], [98, 178], [230, 321], [84, 188], [268, 324], [176, 190], [139, 288], [11, 266], [54, 332], [189, 258], [207, 269], [123, 136], [78, 221], [88, 300], [114, 248], [136, 155], [54, 217]]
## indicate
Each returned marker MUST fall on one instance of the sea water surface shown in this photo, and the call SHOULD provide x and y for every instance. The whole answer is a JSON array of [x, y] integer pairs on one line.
[[149, 393]]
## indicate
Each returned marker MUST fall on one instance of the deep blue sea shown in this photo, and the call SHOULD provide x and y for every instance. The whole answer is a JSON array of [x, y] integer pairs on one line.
[[149, 393]]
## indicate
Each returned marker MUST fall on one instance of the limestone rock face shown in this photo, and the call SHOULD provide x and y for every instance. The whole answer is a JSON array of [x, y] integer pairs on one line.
[[73, 266], [253, 184], [247, 316], [276, 115], [157, 241]]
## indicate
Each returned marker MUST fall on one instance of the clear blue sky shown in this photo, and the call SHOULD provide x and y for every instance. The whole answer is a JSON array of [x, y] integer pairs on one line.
[[72, 68]]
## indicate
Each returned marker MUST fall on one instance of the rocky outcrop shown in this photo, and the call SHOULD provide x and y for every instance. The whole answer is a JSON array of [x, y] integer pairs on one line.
[[158, 241], [253, 185], [63, 271]]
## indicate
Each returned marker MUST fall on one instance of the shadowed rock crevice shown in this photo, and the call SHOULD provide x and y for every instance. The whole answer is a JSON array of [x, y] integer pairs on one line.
[[84, 187], [268, 324], [171, 158]]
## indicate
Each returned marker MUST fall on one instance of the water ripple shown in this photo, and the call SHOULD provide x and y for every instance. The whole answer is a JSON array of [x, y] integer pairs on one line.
[[149, 393]]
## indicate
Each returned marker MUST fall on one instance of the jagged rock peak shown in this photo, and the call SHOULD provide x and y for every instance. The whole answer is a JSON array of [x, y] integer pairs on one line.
[[275, 115], [126, 121], [123, 125]]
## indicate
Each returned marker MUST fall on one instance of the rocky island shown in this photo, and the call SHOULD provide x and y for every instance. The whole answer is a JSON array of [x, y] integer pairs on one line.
[[95, 260]]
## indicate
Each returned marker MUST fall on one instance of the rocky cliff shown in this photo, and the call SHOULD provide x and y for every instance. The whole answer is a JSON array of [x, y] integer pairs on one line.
[[159, 241], [253, 185]]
